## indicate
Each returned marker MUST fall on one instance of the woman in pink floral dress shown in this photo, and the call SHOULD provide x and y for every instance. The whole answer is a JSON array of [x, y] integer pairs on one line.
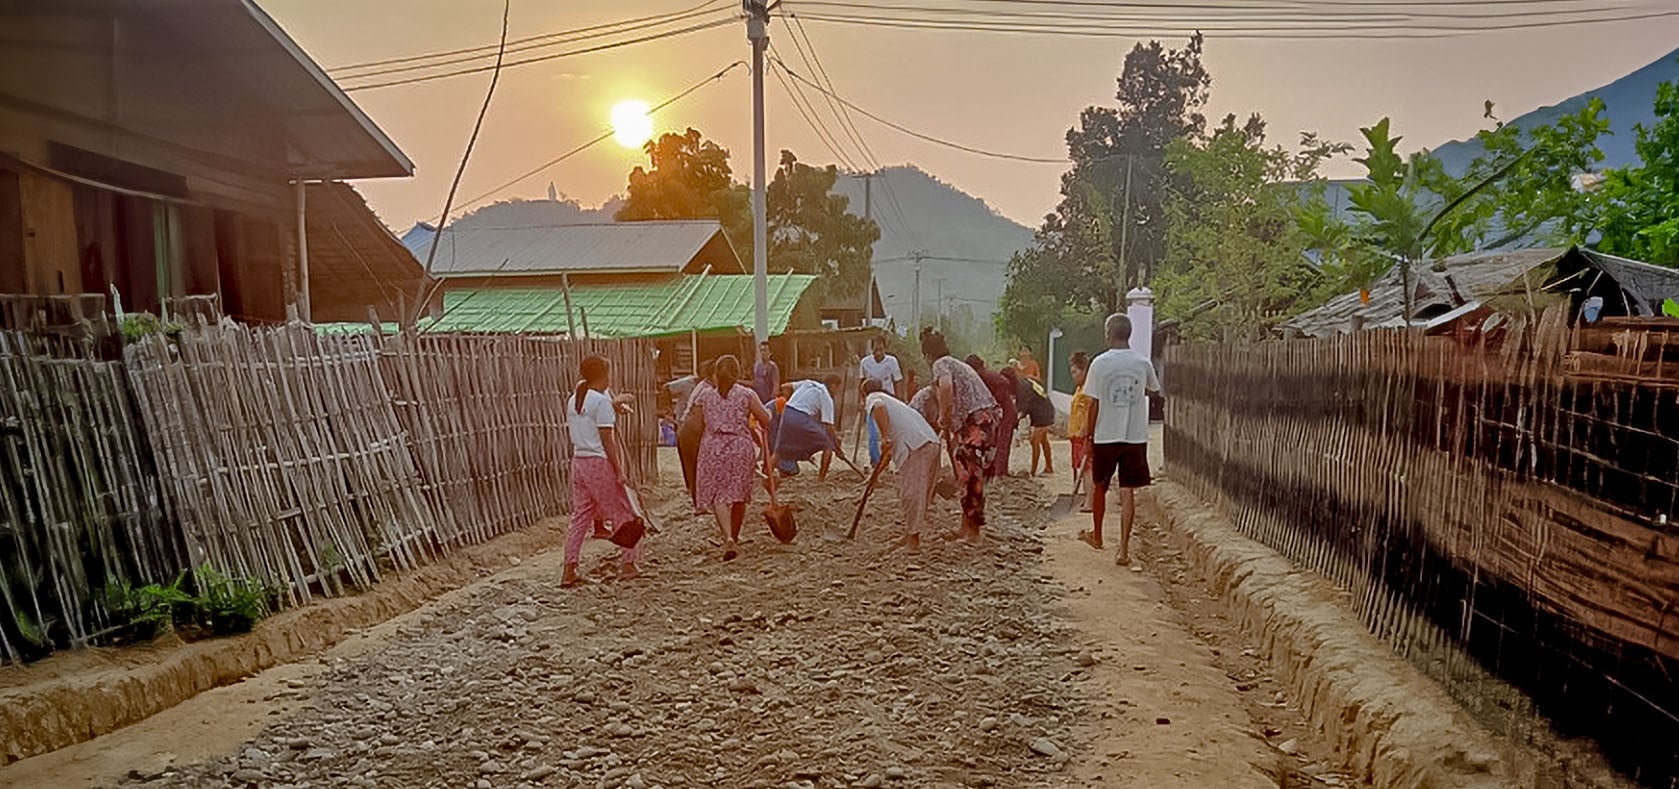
[[723, 481]]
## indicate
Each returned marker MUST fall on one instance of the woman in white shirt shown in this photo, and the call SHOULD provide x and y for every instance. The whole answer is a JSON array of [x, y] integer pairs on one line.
[[597, 475], [913, 446]]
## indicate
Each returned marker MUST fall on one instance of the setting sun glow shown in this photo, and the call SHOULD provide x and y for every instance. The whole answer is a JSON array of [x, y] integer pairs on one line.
[[632, 126]]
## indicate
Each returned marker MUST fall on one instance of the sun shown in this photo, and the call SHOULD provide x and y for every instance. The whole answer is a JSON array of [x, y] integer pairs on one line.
[[632, 127]]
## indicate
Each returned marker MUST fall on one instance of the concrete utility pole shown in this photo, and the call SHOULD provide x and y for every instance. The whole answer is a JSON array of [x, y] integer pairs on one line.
[[916, 311], [868, 214], [1124, 232], [757, 32]]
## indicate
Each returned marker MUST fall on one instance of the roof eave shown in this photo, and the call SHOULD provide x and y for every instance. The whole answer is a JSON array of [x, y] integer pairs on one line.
[[398, 165]]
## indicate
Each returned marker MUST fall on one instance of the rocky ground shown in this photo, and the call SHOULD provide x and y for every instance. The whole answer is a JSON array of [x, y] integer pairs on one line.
[[820, 664]]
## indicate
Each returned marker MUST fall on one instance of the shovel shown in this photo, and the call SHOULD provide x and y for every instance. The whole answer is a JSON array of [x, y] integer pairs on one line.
[[1066, 503], [867, 489], [778, 516]]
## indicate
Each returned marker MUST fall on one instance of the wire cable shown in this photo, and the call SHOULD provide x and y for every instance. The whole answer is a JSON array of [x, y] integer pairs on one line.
[[466, 155], [686, 92], [489, 49], [545, 58], [412, 68], [1320, 15], [919, 135]]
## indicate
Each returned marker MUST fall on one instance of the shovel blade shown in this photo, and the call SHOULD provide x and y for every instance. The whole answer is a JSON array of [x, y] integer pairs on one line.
[[1064, 505]]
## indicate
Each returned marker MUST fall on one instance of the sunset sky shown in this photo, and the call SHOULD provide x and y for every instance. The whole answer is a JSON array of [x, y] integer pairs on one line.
[[1012, 93]]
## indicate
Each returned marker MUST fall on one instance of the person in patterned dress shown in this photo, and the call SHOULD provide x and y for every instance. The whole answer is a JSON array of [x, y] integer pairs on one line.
[[726, 467], [967, 417]]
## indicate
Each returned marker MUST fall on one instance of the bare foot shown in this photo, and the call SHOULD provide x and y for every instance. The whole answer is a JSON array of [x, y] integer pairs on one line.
[[628, 572], [1122, 559], [971, 533], [1089, 538], [730, 551], [570, 578]]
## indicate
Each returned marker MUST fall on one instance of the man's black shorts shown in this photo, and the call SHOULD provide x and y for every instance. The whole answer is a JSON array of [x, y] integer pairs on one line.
[[1126, 465]]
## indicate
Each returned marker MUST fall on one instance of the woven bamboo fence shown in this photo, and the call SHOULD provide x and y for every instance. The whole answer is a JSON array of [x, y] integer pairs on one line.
[[78, 505], [311, 463], [1501, 518]]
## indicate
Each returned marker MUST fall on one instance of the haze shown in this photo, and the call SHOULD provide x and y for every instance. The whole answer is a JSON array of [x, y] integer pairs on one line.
[[1010, 93]]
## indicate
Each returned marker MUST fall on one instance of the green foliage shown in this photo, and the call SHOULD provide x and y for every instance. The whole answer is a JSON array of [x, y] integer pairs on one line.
[[808, 226], [1640, 203], [811, 232], [1108, 233], [221, 606], [136, 326], [1409, 209], [225, 606], [1236, 263]]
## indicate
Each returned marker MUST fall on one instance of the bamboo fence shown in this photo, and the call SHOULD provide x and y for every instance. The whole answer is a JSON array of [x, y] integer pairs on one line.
[[311, 463], [1500, 517]]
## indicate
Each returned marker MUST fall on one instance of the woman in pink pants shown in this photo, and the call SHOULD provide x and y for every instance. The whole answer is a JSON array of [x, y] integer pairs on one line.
[[597, 478]]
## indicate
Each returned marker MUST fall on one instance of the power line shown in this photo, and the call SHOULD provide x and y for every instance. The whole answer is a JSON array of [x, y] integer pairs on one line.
[[920, 135], [495, 77], [796, 95], [561, 37], [607, 134], [1320, 15], [1137, 29], [544, 58]]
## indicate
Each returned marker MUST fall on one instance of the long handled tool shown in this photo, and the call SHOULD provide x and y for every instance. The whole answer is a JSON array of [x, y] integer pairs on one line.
[[867, 489], [778, 516], [1065, 503]]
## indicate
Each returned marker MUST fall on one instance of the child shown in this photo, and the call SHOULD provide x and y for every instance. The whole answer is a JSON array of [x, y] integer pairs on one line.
[[597, 476], [1078, 425]]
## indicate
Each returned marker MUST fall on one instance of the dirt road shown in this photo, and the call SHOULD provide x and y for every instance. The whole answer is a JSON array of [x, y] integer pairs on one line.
[[1026, 661]]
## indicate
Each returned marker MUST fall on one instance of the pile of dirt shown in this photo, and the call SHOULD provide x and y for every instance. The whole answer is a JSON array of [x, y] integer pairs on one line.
[[819, 664]]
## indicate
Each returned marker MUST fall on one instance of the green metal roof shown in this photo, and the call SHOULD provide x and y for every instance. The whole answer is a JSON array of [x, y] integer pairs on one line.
[[703, 303]]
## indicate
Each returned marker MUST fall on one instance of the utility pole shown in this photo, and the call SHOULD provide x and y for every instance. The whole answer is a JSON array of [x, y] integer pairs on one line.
[[918, 255], [938, 282], [868, 214], [1124, 231], [757, 32]]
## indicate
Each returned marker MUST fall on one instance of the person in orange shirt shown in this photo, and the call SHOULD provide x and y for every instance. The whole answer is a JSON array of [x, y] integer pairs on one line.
[[1028, 365], [1078, 424]]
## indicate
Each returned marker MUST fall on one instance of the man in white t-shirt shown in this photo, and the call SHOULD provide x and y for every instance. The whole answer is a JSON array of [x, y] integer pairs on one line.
[[805, 427], [881, 368], [1118, 384]]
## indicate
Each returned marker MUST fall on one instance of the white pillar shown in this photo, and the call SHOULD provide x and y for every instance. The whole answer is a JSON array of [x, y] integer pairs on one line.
[[1140, 309], [303, 256]]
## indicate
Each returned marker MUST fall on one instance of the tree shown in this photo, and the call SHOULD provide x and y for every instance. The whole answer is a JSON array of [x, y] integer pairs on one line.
[[1409, 209], [811, 232], [1107, 234], [1640, 203], [1235, 262], [808, 227]]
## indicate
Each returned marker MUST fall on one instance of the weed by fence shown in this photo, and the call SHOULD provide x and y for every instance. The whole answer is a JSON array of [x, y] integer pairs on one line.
[[306, 464], [1495, 513]]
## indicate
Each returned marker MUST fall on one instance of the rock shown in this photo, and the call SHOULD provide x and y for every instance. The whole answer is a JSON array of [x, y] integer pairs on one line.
[[872, 781], [635, 782], [1085, 660], [248, 776], [490, 767], [317, 754], [743, 685], [1043, 746], [539, 773], [896, 773], [1162, 721], [987, 723], [1289, 746]]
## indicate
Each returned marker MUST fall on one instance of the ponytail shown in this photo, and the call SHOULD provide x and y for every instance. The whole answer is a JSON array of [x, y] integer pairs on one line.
[[592, 370], [727, 374]]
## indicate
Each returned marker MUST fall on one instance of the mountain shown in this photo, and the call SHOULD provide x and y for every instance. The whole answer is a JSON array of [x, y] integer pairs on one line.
[[966, 244], [1627, 102]]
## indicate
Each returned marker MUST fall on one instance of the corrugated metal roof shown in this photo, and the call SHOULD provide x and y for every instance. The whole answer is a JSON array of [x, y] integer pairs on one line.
[[1466, 277], [652, 246], [676, 306]]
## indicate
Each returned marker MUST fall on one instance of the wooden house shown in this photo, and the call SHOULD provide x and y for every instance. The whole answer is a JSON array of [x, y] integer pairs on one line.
[[155, 151]]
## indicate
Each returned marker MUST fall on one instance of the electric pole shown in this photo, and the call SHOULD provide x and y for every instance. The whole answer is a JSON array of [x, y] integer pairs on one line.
[[1124, 231], [918, 255], [757, 32], [868, 214]]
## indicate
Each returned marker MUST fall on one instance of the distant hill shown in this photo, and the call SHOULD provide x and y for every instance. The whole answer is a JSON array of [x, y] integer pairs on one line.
[[1627, 102], [967, 243]]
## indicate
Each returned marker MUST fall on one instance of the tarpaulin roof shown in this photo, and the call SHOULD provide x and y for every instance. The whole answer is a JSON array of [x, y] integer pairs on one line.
[[703, 303]]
